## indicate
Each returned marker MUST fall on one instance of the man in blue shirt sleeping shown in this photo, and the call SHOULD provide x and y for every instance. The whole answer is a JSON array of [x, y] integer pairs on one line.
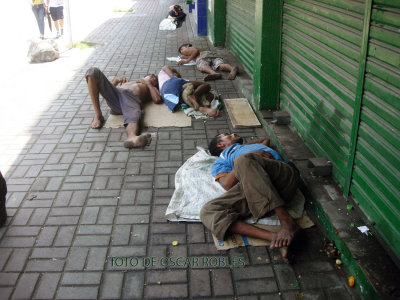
[[258, 182]]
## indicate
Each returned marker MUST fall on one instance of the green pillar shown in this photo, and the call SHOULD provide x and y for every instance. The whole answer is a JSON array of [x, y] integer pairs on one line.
[[266, 76], [216, 21]]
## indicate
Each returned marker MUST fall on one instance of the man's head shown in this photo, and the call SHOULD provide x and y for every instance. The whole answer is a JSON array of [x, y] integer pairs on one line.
[[222, 141], [153, 79], [183, 48]]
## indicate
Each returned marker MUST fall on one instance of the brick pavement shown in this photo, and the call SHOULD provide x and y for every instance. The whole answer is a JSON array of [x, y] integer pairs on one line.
[[79, 202]]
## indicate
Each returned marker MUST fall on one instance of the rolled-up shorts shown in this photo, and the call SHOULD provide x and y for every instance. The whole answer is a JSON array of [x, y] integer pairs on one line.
[[208, 59], [57, 13], [121, 101]]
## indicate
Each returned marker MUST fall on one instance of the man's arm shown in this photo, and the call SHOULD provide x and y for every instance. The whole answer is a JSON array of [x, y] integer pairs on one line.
[[263, 141], [154, 93], [119, 80], [192, 56], [228, 180], [168, 70]]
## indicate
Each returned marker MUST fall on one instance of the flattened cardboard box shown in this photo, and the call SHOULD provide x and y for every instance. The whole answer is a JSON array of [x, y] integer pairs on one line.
[[239, 240]]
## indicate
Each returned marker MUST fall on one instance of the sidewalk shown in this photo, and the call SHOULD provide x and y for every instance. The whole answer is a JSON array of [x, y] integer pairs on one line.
[[79, 202]]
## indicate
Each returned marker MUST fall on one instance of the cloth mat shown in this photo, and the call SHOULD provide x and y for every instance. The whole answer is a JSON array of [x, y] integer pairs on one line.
[[177, 58], [155, 115], [194, 186]]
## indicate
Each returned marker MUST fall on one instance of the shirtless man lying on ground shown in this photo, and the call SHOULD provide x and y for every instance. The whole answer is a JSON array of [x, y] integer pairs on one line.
[[127, 100], [257, 181], [206, 61]]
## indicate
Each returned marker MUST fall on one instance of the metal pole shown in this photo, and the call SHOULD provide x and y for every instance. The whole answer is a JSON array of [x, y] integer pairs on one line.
[[67, 8]]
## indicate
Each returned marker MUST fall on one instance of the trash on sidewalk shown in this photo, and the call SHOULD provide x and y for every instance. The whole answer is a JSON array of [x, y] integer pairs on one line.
[[43, 51], [363, 229]]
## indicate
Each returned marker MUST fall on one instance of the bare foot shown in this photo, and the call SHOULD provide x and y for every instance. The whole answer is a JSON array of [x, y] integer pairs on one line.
[[140, 141], [212, 77], [285, 235], [233, 73], [97, 122]]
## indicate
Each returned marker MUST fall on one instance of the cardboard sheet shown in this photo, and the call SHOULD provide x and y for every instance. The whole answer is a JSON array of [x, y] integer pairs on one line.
[[155, 115], [241, 113], [238, 240]]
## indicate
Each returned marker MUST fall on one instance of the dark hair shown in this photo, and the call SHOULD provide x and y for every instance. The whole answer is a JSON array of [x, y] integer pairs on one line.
[[213, 146], [175, 72], [155, 77], [184, 45]]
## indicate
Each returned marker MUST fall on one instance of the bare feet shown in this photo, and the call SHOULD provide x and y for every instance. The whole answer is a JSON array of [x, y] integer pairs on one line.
[[212, 77], [140, 141], [233, 73], [97, 122], [285, 235]]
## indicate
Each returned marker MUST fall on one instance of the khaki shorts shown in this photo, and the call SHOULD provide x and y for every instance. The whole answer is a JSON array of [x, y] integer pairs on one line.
[[208, 59]]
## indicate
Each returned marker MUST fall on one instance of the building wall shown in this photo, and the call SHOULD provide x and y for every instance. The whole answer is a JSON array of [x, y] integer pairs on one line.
[[334, 66]]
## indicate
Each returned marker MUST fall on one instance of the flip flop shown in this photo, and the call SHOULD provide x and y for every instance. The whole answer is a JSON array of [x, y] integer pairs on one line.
[[212, 77]]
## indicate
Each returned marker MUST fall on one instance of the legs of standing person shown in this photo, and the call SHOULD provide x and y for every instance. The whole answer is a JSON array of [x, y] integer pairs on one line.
[[201, 88], [39, 11], [3, 193], [57, 15], [99, 84]]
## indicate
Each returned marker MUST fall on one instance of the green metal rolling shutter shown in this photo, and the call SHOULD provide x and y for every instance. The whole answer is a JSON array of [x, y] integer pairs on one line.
[[319, 67], [240, 26], [376, 175]]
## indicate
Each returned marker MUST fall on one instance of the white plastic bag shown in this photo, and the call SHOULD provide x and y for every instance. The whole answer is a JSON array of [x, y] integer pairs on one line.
[[167, 24]]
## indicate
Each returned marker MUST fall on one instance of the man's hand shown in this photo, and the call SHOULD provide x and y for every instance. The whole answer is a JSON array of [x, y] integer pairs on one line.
[[264, 154], [119, 80], [182, 62]]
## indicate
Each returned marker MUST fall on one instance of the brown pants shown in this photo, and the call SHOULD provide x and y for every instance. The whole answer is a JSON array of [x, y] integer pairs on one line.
[[264, 184]]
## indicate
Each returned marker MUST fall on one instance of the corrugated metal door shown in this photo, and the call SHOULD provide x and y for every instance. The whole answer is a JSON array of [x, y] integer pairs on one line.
[[240, 26], [321, 86], [376, 175], [320, 55]]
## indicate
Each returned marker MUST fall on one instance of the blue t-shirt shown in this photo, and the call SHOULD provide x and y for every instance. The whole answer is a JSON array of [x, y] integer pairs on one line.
[[224, 163], [171, 91]]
